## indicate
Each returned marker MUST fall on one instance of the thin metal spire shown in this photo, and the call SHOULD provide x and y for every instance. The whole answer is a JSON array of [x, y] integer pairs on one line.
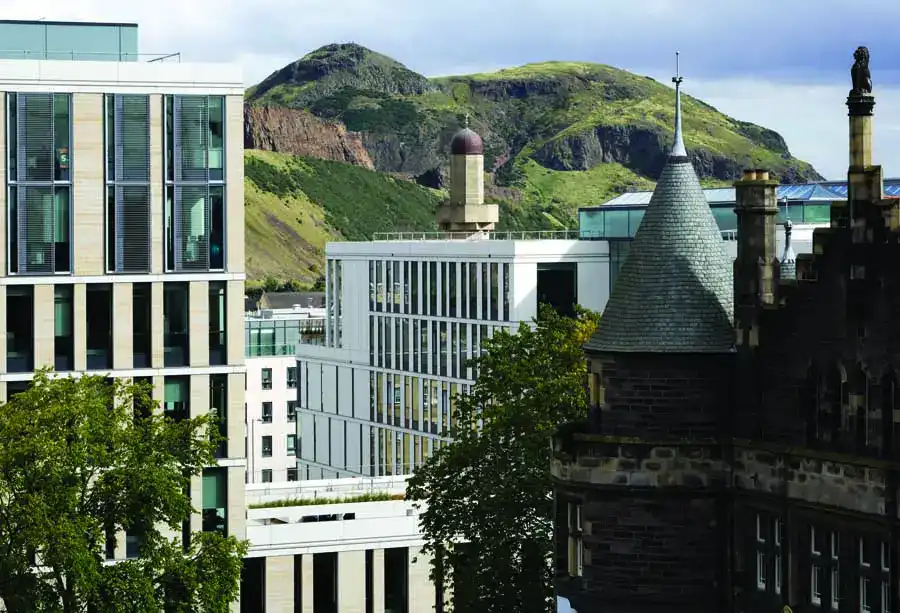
[[678, 149], [467, 120]]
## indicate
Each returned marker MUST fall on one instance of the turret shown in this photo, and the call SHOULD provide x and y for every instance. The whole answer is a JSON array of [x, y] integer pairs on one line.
[[465, 211]]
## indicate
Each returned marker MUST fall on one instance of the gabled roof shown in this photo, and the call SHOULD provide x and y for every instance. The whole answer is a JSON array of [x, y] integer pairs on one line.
[[674, 292]]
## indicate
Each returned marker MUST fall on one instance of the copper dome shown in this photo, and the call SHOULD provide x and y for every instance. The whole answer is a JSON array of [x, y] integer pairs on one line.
[[466, 142]]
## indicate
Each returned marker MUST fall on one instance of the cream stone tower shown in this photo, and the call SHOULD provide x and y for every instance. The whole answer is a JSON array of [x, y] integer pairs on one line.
[[466, 211]]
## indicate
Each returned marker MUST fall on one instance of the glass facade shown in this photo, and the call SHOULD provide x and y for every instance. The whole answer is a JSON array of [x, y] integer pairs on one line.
[[127, 143], [269, 337], [39, 134], [48, 40], [195, 183], [623, 222]]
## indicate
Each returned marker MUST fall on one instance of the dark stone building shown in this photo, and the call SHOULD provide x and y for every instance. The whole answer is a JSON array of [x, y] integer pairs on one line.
[[740, 454]]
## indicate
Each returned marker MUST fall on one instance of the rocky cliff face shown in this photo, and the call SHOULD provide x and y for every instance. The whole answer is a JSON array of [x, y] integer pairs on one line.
[[298, 132]]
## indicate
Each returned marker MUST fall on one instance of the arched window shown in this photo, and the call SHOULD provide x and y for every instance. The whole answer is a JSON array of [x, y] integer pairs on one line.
[[811, 405], [829, 405], [866, 411], [890, 402]]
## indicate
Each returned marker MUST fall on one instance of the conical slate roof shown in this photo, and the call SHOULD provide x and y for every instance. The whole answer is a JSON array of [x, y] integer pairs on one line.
[[674, 292]]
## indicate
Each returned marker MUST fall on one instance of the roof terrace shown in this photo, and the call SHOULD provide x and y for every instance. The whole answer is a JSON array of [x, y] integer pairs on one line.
[[74, 41]]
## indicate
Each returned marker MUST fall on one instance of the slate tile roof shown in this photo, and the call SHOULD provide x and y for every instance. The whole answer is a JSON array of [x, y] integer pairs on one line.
[[674, 292]]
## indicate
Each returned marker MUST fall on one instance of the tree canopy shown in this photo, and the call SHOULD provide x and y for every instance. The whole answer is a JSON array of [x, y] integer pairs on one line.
[[82, 459], [487, 497]]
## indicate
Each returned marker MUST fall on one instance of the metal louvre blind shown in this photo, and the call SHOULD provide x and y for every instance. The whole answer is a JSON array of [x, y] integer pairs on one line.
[[191, 131], [35, 164], [36, 229], [191, 227], [35, 155], [132, 183]]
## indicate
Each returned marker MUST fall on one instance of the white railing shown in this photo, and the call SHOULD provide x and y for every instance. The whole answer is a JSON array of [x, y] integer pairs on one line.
[[510, 235], [258, 493]]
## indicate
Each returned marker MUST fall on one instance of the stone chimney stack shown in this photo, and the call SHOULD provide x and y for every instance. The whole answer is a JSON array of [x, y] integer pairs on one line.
[[465, 211], [757, 257]]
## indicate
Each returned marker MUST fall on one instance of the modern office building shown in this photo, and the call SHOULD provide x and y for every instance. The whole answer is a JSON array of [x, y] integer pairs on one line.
[[272, 339], [123, 230], [406, 311]]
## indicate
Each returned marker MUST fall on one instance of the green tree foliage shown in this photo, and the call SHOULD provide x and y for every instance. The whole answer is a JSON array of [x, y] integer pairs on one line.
[[82, 459], [487, 497]]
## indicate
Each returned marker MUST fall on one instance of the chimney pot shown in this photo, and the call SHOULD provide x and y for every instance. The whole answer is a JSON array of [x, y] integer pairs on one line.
[[749, 175], [762, 174]]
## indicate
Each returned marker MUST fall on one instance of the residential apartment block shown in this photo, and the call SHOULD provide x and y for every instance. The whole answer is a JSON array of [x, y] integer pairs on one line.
[[123, 231]]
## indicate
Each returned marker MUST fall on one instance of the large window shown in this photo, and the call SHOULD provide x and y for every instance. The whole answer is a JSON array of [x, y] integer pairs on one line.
[[141, 324], [19, 328], [217, 315], [175, 324], [218, 403], [99, 326], [176, 398], [39, 179], [215, 499], [195, 175], [63, 345], [127, 121]]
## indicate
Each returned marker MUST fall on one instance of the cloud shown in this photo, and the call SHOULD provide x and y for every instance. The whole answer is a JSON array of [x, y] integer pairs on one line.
[[781, 64]]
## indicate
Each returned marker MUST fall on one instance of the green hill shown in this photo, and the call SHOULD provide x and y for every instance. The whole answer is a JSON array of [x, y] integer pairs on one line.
[[558, 135]]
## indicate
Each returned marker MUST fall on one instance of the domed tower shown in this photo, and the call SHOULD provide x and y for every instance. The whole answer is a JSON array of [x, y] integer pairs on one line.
[[642, 512], [466, 211]]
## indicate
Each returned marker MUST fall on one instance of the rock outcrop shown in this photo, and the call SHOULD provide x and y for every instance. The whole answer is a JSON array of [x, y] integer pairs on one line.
[[298, 132]]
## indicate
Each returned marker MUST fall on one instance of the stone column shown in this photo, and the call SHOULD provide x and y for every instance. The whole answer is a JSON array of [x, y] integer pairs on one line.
[[306, 574], [351, 581], [861, 109], [279, 584], [421, 589], [378, 580]]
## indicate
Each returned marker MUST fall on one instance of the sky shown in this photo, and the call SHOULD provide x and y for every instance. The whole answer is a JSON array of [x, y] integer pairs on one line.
[[781, 64]]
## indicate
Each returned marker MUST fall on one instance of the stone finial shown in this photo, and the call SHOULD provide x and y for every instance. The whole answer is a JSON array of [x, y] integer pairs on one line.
[[678, 149]]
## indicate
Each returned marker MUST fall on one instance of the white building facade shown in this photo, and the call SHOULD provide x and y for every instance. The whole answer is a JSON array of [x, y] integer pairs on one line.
[[404, 316], [272, 339]]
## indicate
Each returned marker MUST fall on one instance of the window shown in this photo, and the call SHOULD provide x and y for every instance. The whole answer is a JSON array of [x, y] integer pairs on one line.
[[215, 499], [175, 324], [218, 406], [141, 324], [292, 474], [292, 377], [267, 446], [835, 572], [217, 315], [98, 310], [19, 328], [63, 343], [292, 410], [292, 444], [267, 378], [38, 180], [267, 412], [127, 136], [195, 171], [576, 548], [175, 397], [267, 475]]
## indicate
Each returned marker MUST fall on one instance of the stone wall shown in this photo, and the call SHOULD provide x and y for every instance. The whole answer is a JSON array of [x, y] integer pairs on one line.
[[662, 399]]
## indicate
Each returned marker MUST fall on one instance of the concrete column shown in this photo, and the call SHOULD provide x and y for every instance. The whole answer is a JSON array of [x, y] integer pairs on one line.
[[3, 206], [157, 193], [378, 581], [279, 584], [199, 391], [79, 327], [44, 326], [198, 323], [237, 429], [2, 316], [234, 322], [421, 588], [123, 326], [351, 581], [157, 351], [237, 508], [88, 185], [234, 185], [306, 573]]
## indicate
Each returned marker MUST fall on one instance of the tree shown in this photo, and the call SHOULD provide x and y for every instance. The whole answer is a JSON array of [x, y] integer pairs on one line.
[[486, 499], [84, 458]]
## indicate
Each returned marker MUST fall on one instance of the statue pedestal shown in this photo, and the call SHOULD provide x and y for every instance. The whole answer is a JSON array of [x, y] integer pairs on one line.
[[860, 105]]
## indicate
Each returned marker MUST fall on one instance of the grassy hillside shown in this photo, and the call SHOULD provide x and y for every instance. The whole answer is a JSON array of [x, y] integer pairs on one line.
[[295, 205]]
